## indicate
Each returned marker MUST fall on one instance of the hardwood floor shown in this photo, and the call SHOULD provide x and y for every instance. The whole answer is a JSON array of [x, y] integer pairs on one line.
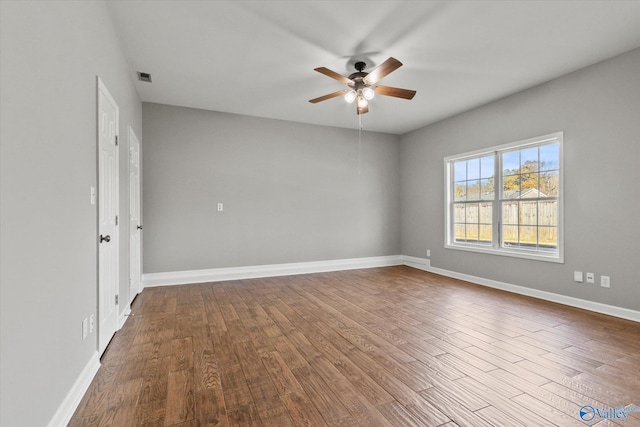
[[376, 347]]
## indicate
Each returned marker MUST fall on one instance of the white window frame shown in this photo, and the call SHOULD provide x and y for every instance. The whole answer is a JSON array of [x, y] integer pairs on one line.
[[495, 248]]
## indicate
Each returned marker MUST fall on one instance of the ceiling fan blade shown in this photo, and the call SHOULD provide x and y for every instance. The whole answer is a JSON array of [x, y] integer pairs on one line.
[[361, 110], [339, 77], [329, 96], [383, 69], [395, 91]]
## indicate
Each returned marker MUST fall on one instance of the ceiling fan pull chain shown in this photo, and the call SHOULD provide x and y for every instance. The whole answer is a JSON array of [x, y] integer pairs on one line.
[[359, 144]]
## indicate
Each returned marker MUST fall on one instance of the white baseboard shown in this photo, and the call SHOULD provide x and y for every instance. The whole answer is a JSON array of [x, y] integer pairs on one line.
[[72, 400], [597, 307], [252, 272], [419, 263]]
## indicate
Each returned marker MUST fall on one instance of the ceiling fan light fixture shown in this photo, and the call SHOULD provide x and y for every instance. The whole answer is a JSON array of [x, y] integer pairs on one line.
[[350, 96], [363, 86]]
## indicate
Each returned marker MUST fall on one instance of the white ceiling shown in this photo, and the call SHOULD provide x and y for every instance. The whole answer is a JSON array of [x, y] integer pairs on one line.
[[257, 57]]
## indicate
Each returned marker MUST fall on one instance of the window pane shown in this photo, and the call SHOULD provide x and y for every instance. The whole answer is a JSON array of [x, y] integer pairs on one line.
[[458, 213], [548, 237], [511, 187], [549, 156], [460, 171], [510, 235], [550, 183], [472, 233], [473, 169], [528, 236], [487, 189], [459, 230], [529, 185], [529, 159], [548, 212], [460, 191], [471, 213], [473, 190], [486, 213], [510, 162], [486, 234], [528, 213], [486, 167], [510, 213]]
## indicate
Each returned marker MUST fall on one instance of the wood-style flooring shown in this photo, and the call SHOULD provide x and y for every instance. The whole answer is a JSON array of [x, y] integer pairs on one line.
[[389, 346]]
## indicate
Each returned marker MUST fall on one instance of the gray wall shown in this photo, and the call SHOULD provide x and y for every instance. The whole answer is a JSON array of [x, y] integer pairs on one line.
[[291, 192], [598, 108], [51, 53]]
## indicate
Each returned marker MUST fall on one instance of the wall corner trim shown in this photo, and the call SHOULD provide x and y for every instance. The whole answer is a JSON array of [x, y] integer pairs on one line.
[[74, 396], [271, 270], [597, 307]]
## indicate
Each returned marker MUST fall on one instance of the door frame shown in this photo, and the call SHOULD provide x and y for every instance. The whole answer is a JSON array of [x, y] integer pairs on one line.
[[134, 291], [102, 89]]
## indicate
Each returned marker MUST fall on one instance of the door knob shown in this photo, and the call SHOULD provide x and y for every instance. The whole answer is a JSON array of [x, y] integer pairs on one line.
[[106, 238], [139, 227]]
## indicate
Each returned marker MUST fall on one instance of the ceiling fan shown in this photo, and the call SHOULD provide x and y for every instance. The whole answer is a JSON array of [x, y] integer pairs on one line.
[[362, 85]]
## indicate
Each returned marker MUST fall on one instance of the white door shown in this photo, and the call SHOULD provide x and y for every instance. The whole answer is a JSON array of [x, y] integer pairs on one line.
[[107, 216], [135, 220]]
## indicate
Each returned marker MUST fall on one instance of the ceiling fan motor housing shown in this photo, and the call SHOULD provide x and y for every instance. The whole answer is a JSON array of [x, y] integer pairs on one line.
[[357, 77]]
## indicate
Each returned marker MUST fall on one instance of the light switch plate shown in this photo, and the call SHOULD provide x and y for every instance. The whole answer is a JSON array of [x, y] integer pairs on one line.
[[577, 276]]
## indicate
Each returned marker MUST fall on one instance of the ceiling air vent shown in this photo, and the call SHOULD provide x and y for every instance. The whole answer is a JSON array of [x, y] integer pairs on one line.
[[144, 77]]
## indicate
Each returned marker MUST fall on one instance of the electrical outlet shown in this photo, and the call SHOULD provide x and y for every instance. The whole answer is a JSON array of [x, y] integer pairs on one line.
[[85, 328], [92, 323], [428, 253], [220, 207], [577, 276], [591, 278], [605, 281]]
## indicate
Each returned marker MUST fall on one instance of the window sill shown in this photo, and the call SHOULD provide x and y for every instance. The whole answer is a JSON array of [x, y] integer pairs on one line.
[[513, 253]]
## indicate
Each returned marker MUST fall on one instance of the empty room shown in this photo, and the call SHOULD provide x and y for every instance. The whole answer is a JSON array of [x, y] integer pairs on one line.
[[319, 213]]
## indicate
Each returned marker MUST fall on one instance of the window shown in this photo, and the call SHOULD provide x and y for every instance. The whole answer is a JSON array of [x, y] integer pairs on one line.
[[507, 200]]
